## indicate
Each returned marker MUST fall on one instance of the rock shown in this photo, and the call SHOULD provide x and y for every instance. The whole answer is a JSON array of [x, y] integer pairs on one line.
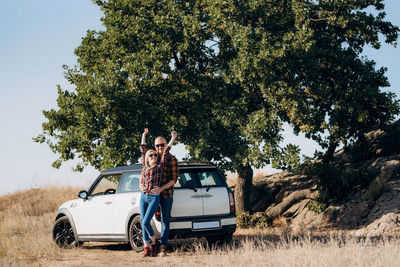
[[371, 211], [388, 225]]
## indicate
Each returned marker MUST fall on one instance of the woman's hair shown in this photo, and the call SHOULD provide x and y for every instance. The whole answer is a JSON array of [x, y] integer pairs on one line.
[[146, 159]]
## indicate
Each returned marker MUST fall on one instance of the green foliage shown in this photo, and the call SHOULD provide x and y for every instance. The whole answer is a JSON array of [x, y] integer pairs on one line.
[[288, 159], [316, 206], [337, 181], [243, 220], [247, 220], [226, 75]]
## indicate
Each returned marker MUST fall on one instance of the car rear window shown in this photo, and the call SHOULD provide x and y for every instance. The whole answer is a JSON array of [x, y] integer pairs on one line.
[[199, 178]]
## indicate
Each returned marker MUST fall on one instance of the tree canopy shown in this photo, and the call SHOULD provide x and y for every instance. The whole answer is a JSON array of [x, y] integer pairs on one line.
[[226, 75]]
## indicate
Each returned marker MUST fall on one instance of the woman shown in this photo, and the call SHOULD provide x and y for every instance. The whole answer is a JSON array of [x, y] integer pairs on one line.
[[150, 197]]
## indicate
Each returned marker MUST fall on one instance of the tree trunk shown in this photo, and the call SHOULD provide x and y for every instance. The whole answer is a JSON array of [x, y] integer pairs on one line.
[[329, 153], [288, 201], [243, 188]]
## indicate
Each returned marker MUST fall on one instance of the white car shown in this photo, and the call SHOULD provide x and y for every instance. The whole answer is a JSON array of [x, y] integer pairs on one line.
[[109, 211]]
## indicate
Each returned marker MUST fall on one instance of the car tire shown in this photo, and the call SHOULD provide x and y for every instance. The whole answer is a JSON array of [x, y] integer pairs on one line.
[[219, 240], [63, 234], [135, 235], [226, 239]]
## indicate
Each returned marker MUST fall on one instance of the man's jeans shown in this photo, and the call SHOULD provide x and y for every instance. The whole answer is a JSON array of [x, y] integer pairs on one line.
[[148, 207], [166, 206]]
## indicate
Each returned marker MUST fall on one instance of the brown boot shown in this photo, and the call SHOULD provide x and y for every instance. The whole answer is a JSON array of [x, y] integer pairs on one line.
[[163, 251], [146, 251], [154, 249]]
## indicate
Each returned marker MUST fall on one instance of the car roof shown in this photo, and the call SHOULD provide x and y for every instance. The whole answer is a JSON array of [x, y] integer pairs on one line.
[[181, 165]]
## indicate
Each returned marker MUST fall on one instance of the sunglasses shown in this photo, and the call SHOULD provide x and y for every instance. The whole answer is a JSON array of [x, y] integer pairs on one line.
[[160, 145], [152, 155]]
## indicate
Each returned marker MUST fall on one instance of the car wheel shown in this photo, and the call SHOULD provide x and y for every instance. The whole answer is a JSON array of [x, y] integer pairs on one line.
[[219, 240], [226, 238], [135, 235], [63, 235]]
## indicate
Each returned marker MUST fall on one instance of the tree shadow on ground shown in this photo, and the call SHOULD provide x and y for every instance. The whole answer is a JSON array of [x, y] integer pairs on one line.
[[107, 246], [273, 240]]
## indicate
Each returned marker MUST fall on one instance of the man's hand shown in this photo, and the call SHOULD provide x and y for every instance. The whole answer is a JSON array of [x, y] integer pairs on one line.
[[174, 135], [146, 131], [156, 190]]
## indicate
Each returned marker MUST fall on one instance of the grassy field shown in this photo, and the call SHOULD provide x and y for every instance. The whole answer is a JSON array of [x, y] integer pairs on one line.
[[26, 220]]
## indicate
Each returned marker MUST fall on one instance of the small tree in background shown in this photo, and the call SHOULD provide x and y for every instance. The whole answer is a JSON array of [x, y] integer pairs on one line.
[[226, 75]]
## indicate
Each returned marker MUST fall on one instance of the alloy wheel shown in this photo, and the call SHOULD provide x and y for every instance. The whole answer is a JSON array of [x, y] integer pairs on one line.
[[63, 234]]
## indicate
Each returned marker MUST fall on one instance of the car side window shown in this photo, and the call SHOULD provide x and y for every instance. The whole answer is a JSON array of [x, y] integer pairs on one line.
[[107, 185], [186, 180], [129, 182]]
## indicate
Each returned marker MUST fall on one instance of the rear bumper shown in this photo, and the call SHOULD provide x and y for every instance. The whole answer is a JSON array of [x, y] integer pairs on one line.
[[180, 228]]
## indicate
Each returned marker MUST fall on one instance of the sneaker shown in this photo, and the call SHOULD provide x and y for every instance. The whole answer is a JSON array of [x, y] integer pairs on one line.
[[163, 251], [154, 249], [146, 251]]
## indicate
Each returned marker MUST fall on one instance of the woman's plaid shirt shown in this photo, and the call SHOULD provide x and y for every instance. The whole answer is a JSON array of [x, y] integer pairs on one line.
[[152, 175]]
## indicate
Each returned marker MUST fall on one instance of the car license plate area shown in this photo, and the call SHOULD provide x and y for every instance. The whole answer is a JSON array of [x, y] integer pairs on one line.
[[206, 225]]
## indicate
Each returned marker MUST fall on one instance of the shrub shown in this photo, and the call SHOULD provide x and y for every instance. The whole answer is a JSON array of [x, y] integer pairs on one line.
[[316, 206], [337, 181], [243, 220], [247, 220]]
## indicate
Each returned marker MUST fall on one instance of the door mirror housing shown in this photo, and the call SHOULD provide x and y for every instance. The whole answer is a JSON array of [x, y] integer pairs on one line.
[[83, 194]]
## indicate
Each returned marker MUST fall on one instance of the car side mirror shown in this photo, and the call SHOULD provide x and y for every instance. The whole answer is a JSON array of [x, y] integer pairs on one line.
[[83, 194]]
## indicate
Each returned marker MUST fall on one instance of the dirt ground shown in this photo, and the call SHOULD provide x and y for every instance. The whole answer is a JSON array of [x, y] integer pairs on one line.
[[181, 252], [250, 247]]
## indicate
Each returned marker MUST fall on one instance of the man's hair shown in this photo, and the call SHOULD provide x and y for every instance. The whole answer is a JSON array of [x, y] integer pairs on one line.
[[160, 137]]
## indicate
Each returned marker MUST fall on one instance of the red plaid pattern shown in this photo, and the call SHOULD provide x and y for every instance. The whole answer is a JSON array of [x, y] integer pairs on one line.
[[171, 172], [151, 176]]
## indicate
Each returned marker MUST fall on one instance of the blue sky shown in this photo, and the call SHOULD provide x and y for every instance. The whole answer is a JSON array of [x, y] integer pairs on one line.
[[36, 39]]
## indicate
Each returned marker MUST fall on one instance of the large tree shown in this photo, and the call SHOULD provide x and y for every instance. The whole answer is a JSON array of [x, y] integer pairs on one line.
[[226, 75]]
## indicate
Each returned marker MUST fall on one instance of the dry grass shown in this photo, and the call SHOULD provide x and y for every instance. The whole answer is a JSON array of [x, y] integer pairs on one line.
[[26, 219]]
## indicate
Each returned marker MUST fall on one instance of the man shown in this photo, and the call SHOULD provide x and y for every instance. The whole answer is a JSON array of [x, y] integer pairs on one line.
[[166, 190]]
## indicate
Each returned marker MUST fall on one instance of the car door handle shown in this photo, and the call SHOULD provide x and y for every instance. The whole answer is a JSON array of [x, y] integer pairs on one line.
[[108, 202], [207, 195]]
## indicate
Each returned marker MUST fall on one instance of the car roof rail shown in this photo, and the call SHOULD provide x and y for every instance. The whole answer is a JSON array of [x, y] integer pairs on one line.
[[195, 163], [136, 167]]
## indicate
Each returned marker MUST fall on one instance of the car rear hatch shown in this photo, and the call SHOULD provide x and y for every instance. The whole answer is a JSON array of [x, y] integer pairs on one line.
[[200, 192]]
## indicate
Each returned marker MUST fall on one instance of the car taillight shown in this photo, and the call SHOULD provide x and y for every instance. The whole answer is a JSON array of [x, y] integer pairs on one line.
[[158, 215], [231, 202]]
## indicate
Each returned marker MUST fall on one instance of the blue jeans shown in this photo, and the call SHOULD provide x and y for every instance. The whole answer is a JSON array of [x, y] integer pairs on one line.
[[148, 207], [166, 207]]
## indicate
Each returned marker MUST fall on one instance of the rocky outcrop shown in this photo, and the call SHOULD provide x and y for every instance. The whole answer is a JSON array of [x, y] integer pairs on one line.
[[384, 215], [372, 211]]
